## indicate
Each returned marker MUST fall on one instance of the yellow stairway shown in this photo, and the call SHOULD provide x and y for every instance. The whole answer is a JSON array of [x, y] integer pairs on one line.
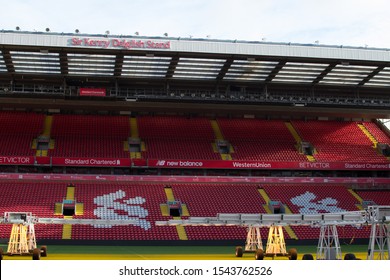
[[58, 209], [368, 134], [288, 229], [298, 139], [358, 198], [134, 128], [217, 130], [266, 198], [179, 228], [219, 136], [67, 229], [46, 133]]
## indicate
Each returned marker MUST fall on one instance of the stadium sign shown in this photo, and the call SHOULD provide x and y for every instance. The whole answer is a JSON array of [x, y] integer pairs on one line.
[[119, 43]]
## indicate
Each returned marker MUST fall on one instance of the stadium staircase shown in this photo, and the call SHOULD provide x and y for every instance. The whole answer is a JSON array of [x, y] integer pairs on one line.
[[298, 140], [181, 232], [45, 135], [368, 134], [67, 229], [266, 198], [219, 137], [134, 134], [358, 198]]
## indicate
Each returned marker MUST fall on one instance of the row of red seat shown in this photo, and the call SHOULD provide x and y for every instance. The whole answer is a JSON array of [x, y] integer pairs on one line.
[[176, 137], [142, 202]]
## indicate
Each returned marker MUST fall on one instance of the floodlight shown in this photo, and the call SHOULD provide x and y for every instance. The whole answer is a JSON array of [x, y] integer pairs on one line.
[[77, 31], [17, 28], [47, 29]]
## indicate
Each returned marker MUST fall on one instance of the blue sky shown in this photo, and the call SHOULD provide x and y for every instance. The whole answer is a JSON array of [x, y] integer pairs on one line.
[[330, 22]]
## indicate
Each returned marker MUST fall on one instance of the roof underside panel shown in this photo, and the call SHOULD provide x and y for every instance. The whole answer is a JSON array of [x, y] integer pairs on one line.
[[198, 68], [36, 62], [144, 66], [250, 70], [382, 79], [347, 74], [91, 64]]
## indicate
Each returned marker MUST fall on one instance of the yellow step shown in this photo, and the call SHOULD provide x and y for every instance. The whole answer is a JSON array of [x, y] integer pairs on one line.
[[215, 148], [70, 193], [181, 232], [310, 158], [67, 229], [79, 209], [267, 209], [34, 144], [164, 210], [288, 229], [125, 146], [184, 210], [169, 194], [217, 130], [293, 132], [52, 144], [264, 195], [143, 147], [47, 126], [226, 157], [368, 134], [355, 195], [134, 128], [58, 209]]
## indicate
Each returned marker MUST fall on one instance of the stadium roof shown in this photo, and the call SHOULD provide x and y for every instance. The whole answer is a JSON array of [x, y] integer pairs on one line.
[[176, 59], [162, 72]]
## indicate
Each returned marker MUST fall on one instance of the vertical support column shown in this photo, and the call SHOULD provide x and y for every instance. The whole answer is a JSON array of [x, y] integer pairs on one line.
[[379, 245], [329, 244], [253, 239]]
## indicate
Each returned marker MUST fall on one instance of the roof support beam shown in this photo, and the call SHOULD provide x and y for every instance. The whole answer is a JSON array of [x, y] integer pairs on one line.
[[172, 67], [64, 63], [118, 65], [225, 68], [8, 61], [275, 71], [324, 73], [371, 75]]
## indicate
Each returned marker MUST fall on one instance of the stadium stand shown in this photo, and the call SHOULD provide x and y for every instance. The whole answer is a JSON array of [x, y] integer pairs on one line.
[[338, 141], [175, 137], [255, 139], [37, 198], [90, 136], [207, 200]]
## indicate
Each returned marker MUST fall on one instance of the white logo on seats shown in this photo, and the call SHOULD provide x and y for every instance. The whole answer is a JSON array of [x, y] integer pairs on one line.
[[112, 207], [308, 206]]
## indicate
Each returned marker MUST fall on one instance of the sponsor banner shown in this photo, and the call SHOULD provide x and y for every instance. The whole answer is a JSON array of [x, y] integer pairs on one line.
[[9, 160], [106, 162], [239, 164], [92, 92]]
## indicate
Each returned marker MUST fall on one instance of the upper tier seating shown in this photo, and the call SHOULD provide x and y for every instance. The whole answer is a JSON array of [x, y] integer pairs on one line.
[[379, 134], [338, 141], [17, 131], [174, 137], [254, 139], [90, 136]]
